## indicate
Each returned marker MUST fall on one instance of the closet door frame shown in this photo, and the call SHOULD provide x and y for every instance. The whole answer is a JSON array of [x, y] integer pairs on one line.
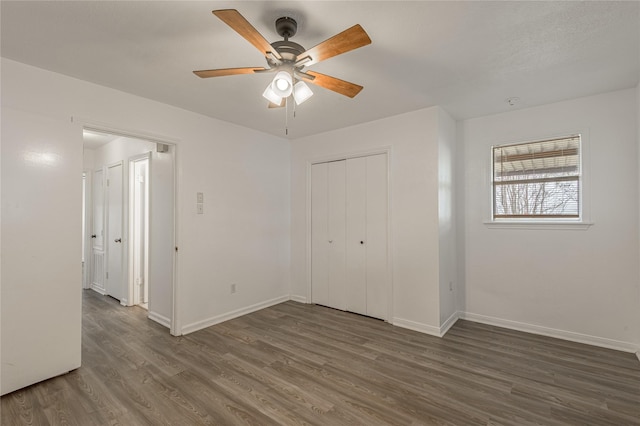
[[345, 156]]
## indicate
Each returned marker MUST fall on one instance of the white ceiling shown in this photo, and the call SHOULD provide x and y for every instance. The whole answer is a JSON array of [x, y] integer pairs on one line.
[[467, 57]]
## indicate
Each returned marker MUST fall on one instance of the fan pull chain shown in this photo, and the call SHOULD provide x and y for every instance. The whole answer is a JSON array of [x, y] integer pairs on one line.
[[286, 116]]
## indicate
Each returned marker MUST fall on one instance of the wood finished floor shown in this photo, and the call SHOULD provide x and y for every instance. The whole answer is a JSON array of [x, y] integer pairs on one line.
[[302, 364]]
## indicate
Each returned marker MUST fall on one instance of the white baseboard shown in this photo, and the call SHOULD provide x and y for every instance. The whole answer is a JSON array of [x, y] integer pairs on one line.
[[425, 328], [299, 299], [552, 332], [160, 319], [417, 326], [95, 287], [199, 325], [449, 323]]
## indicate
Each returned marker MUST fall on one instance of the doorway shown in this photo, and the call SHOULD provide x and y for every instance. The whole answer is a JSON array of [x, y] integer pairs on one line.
[[132, 221]]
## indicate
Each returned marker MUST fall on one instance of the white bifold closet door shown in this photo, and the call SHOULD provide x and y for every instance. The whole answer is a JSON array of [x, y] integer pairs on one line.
[[349, 205]]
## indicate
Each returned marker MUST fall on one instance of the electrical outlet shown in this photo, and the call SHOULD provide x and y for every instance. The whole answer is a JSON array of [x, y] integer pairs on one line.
[[200, 197], [233, 288]]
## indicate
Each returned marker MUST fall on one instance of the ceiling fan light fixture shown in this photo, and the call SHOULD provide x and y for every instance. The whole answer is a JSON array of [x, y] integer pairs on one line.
[[282, 84], [272, 96], [301, 92]]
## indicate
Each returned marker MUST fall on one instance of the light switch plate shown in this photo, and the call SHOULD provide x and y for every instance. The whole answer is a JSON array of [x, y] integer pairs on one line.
[[200, 197], [200, 208]]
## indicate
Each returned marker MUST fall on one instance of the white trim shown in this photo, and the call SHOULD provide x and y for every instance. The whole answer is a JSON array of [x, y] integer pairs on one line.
[[349, 155], [417, 326], [444, 328], [298, 298], [199, 325], [160, 319], [574, 226], [428, 329], [638, 354], [87, 265], [551, 332], [131, 284], [96, 126], [98, 289]]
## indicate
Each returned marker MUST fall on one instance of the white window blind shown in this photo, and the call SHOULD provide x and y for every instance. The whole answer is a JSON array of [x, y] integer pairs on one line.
[[537, 179]]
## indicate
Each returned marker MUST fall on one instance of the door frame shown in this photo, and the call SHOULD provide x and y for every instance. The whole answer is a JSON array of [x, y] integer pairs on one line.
[[88, 124], [345, 156], [87, 272], [130, 272]]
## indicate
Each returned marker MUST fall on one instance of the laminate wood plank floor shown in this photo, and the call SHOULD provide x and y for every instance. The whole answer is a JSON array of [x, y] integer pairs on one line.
[[295, 364]]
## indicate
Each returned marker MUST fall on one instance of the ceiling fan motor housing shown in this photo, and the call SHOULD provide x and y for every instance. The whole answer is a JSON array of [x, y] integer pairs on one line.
[[286, 27]]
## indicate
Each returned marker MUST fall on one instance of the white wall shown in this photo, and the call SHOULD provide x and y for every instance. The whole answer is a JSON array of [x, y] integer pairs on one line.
[[414, 139], [638, 130], [243, 236], [577, 284], [41, 218], [447, 217]]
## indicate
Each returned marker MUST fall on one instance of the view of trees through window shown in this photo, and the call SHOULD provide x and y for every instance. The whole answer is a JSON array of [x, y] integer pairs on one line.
[[537, 179]]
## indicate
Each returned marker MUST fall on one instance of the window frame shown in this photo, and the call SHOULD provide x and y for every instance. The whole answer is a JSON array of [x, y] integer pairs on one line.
[[583, 221]]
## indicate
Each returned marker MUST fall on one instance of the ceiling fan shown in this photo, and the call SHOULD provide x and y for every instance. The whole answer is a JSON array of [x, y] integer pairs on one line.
[[288, 59]]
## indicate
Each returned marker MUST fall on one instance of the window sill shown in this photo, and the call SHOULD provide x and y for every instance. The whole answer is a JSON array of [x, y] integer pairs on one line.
[[581, 226]]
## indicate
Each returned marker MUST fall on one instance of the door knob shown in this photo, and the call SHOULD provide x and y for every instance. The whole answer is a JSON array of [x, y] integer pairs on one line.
[[118, 240], [361, 242]]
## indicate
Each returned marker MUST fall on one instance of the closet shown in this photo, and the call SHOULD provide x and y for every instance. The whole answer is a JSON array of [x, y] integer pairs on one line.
[[349, 209]]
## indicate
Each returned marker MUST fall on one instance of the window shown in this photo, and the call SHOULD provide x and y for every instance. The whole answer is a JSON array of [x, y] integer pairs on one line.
[[537, 180]]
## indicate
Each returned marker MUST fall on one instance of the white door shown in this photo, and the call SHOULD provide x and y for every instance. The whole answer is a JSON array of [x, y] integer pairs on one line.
[[97, 232], [356, 221], [328, 234], [337, 234], [113, 280], [319, 234], [349, 242]]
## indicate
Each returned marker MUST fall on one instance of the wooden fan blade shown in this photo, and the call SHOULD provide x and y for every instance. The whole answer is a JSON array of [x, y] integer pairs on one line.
[[332, 83], [347, 40], [236, 21], [226, 71]]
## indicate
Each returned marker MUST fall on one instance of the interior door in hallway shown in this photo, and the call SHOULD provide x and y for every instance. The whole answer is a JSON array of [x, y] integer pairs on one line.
[[113, 279], [97, 232]]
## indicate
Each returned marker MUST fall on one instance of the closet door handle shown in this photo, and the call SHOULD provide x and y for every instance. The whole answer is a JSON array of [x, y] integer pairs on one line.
[[117, 240], [361, 242]]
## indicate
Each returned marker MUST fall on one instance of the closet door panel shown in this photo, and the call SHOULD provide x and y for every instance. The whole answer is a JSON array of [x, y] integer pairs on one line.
[[319, 234], [356, 221], [377, 270], [337, 233]]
